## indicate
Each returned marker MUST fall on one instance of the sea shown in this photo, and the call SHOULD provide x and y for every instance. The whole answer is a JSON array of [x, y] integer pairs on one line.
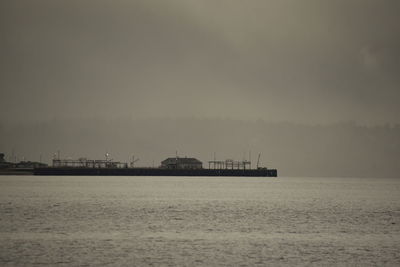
[[199, 221]]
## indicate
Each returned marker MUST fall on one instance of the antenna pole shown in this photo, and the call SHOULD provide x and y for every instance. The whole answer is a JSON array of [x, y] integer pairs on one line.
[[133, 161], [250, 158], [215, 159]]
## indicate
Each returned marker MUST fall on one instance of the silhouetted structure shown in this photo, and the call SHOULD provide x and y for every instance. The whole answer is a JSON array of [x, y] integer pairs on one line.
[[169, 167], [18, 168], [181, 163], [229, 164], [29, 164], [88, 163]]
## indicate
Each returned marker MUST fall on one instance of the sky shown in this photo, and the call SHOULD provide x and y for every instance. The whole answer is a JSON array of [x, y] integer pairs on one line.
[[308, 61]]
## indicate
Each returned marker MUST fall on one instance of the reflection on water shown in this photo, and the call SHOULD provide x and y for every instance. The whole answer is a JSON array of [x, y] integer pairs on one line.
[[199, 221]]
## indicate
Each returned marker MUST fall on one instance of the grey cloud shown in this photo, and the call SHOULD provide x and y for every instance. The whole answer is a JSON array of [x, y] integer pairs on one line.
[[301, 61]]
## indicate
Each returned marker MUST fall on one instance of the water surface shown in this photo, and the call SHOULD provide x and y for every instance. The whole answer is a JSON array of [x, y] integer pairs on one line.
[[199, 221]]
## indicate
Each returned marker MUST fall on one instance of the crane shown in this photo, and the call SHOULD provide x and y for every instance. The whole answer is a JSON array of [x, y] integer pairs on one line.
[[133, 161]]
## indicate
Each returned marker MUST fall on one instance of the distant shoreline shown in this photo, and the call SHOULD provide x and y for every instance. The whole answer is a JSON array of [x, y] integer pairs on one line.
[[16, 171]]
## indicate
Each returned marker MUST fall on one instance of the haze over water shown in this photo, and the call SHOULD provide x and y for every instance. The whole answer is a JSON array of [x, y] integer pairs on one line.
[[312, 86], [199, 221]]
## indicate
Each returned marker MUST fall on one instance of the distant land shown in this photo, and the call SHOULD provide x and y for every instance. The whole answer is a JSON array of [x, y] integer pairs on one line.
[[338, 150]]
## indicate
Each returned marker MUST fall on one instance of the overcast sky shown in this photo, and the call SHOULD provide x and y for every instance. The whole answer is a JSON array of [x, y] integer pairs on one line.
[[300, 61]]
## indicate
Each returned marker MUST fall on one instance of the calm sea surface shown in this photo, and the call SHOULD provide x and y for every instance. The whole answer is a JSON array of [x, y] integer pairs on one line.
[[169, 221]]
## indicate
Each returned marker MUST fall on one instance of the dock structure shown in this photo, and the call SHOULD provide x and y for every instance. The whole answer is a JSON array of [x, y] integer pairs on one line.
[[170, 167], [88, 163], [229, 164], [181, 163], [73, 171]]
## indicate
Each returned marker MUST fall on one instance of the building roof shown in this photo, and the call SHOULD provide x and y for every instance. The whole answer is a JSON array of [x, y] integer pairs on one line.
[[181, 161]]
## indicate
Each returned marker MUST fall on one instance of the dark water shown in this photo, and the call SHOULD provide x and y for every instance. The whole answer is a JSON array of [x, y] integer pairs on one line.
[[169, 221]]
